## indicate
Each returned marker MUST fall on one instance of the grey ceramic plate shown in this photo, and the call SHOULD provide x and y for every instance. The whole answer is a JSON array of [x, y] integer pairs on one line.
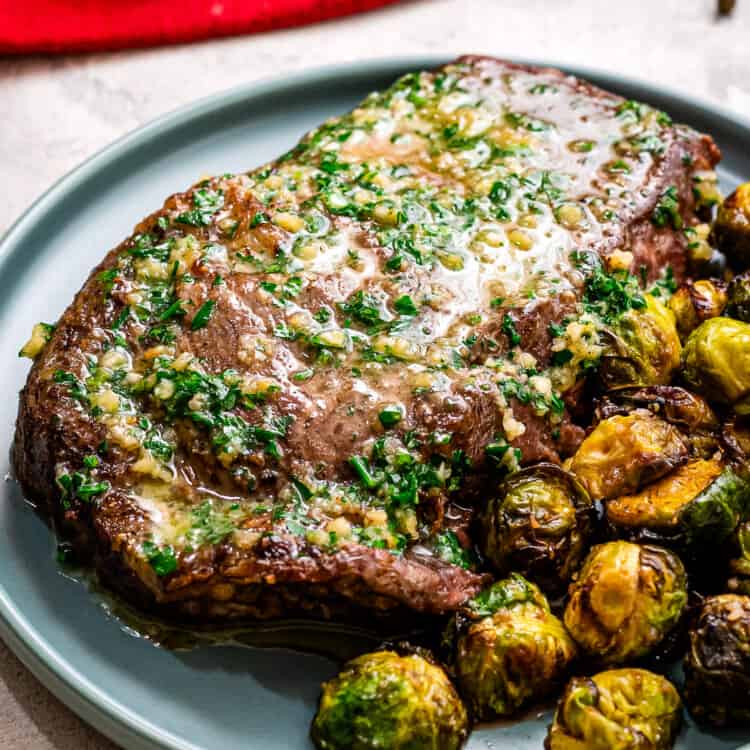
[[221, 697]]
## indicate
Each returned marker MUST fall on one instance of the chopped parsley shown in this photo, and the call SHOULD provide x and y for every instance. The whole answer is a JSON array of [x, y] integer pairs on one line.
[[81, 485], [208, 525], [205, 204], [449, 549], [322, 315], [561, 357], [390, 416], [556, 330], [404, 305], [259, 217], [500, 191], [509, 329], [107, 280], [76, 388], [610, 295], [667, 210], [219, 396], [399, 477], [161, 559], [666, 286], [502, 595], [203, 315], [363, 308]]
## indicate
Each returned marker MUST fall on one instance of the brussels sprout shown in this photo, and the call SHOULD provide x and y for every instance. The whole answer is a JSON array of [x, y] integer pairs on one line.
[[717, 664], [687, 411], [699, 502], [512, 651], [735, 442], [621, 709], [711, 265], [716, 362], [643, 347], [508, 593], [625, 452], [696, 301], [624, 600], [704, 261], [384, 700], [739, 566], [538, 524], [732, 227], [738, 298]]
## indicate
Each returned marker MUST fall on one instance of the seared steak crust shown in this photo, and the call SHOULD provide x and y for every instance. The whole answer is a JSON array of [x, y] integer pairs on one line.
[[279, 395]]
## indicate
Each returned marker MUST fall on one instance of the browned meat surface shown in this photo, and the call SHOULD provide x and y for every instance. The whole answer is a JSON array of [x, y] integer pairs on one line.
[[286, 391]]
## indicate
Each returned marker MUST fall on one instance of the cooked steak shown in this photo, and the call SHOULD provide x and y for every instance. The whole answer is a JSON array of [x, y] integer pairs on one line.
[[286, 391]]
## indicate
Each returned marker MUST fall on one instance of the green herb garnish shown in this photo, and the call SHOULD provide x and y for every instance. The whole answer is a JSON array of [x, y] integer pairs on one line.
[[203, 315]]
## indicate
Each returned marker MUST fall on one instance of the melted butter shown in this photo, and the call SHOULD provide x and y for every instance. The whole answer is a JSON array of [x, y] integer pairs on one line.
[[169, 518]]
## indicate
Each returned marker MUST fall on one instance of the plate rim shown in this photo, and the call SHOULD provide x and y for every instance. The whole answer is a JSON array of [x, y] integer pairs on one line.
[[61, 677]]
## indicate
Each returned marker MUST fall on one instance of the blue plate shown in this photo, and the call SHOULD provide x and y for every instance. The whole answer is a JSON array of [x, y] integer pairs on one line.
[[219, 697]]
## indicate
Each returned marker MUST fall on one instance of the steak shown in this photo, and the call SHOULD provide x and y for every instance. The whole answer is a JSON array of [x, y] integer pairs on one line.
[[287, 391]]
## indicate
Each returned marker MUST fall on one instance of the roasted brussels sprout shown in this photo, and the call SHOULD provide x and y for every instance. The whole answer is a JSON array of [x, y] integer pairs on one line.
[[621, 709], [712, 265], [704, 261], [732, 227], [511, 650], [696, 301], [625, 452], [643, 347], [738, 298], [383, 700], [624, 600], [699, 502], [510, 592], [739, 566], [716, 362], [717, 664], [687, 411], [735, 443], [538, 524]]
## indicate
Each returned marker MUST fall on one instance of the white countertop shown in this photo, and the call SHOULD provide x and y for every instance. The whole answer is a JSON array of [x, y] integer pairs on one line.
[[55, 112]]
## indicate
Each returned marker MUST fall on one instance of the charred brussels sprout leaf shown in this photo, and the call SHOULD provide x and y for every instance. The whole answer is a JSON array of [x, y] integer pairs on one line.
[[732, 227], [642, 348], [621, 708], [625, 599], [716, 362], [687, 411], [539, 524], [738, 298], [735, 442], [625, 452], [699, 502], [696, 301], [383, 700], [515, 655], [717, 665], [676, 405]]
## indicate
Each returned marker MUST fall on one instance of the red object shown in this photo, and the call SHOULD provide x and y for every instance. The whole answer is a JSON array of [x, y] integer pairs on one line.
[[53, 26]]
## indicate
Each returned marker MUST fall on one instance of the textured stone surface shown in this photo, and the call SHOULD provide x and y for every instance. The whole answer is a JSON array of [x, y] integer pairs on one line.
[[55, 112]]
